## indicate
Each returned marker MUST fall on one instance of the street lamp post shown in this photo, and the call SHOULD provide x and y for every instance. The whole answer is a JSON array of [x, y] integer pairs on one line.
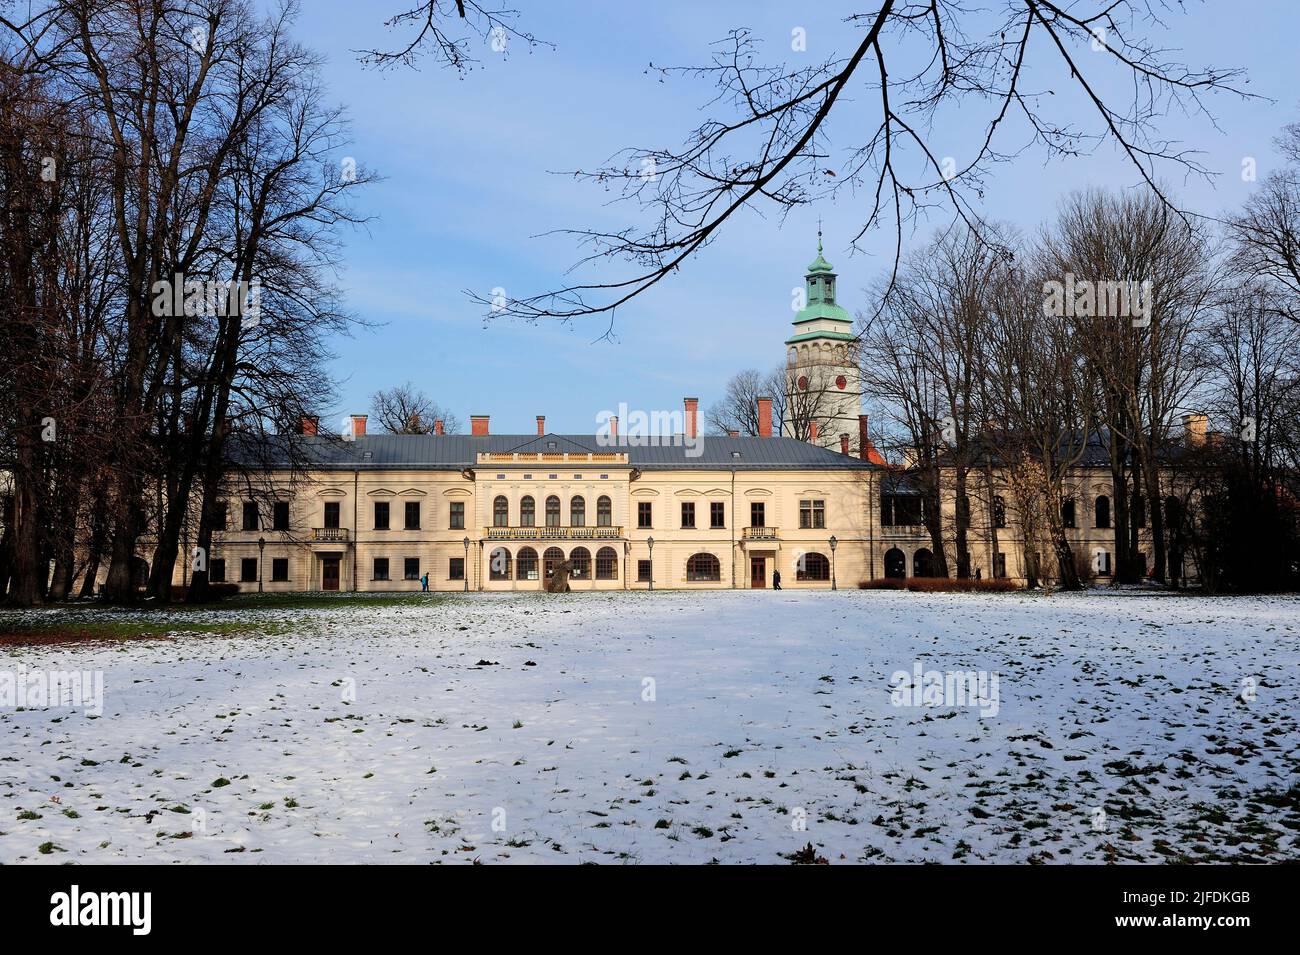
[[465, 567], [833, 543], [261, 549], [650, 542]]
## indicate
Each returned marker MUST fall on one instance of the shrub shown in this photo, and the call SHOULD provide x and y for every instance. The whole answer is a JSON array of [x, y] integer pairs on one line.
[[938, 585]]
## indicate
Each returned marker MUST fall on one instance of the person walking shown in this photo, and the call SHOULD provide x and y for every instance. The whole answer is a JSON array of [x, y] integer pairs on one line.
[[776, 580], [424, 582]]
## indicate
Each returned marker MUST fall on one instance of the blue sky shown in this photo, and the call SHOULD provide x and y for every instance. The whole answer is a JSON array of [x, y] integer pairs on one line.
[[470, 185]]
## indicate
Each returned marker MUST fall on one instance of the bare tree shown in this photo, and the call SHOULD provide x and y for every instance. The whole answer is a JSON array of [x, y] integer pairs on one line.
[[769, 146], [405, 409], [1266, 233], [1144, 289]]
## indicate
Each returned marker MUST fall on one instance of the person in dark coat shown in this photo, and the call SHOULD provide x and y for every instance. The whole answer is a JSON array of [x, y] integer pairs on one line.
[[776, 580]]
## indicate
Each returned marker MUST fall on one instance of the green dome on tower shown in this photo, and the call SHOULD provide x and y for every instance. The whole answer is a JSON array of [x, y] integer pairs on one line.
[[819, 287]]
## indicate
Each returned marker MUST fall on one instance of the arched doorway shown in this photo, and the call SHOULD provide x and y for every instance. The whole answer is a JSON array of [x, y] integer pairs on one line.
[[923, 563], [551, 559], [895, 564]]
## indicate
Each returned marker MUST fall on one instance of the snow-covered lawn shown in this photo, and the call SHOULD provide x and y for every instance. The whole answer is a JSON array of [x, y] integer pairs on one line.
[[526, 728]]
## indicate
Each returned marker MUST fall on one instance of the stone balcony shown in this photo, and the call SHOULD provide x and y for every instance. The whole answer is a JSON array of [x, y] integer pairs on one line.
[[552, 533]]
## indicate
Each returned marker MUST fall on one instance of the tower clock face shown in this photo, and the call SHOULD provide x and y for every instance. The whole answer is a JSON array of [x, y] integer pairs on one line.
[[841, 382], [803, 382]]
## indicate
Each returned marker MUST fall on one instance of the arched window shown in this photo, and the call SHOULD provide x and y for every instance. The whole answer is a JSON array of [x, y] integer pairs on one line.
[[577, 511], [499, 564], [581, 558], [1102, 511], [703, 567], [1067, 513], [923, 563], [552, 511], [550, 560], [604, 511], [607, 563], [895, 564], [527, 512], [500, 512], [812, 567], [526, 563]]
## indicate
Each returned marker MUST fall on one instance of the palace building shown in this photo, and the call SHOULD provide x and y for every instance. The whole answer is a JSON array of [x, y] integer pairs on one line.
[[488, 511]]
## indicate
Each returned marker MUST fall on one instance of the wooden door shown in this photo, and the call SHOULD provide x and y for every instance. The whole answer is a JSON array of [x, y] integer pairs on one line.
[[757, 572], [330, 573]]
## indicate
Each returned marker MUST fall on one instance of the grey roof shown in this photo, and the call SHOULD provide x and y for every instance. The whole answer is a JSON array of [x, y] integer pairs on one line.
[[458, 451]]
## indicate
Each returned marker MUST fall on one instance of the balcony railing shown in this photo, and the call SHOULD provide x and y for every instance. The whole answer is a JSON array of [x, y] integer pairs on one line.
[[329, 534], [760, 533], [552, 533]]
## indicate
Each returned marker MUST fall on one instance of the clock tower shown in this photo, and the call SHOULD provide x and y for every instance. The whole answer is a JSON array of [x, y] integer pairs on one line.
[[823, 382]]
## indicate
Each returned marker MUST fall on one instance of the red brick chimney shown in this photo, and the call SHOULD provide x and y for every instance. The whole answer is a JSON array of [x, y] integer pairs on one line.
[[613, 426], [414, 424], [310, 424], [437, 426], [478, 425], [358, 426], [692, 408], [765, 417], [864, 445], [541, 424], [844, 443], [733, 434], [812, 432]]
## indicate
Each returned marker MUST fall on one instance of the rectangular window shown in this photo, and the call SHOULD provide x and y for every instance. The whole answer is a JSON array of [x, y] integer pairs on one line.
[[717, 514], [757, 515], [217, 571], [999, 565], [280, 516], [332, 514], [688, 513], [456, 568], [250, 516], [280, 569], [219, 518], [643, 570], [999, 512], [812, 514], [381, 568], [381, 515], [411, 568], [1067, 513], [248, 569], [457, 515], [412, 515], [643, 514]]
